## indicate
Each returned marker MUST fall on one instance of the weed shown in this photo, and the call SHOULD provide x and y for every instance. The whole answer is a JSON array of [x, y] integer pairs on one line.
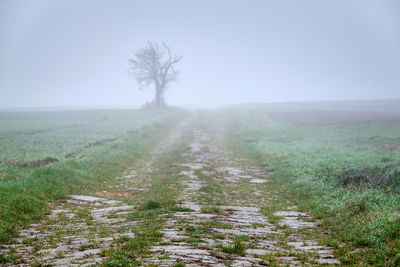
[[4, 258], [30, 241], [218, 236], [257, 225], [151, 205], [211, 209], [216, 224], [118, 258], [236, 248], [269, 212], [60, 255], [179, 264], [84, 214]]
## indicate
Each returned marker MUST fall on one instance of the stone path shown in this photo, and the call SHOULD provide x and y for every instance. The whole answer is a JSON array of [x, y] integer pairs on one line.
[[234, 235], [75, 233], [222, 224]]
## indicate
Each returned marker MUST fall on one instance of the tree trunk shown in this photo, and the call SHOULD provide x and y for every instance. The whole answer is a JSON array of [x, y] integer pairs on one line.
[[159, 97], [162, 102]]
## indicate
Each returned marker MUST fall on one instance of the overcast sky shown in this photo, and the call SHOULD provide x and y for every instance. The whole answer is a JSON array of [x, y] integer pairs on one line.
[[74, 52]]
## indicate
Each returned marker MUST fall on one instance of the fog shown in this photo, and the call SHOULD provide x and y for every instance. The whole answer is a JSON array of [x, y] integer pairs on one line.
[[60, 53]]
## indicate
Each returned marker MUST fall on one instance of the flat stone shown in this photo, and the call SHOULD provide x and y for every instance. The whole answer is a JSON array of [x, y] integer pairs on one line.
[[87, 198], [109, 209], [244, 231], [235, 171], [246, 261], [258, 181], [193, 166], [189, 174], [112, 202], [193, 215], [85, 253], [290, 214], [308, 248], [187, 253], [296, 224], [257, 251], [291, 261]]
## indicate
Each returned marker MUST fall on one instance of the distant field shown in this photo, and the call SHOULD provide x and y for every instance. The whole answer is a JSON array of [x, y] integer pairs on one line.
[[341, 160], [331, 113], [28, 136]]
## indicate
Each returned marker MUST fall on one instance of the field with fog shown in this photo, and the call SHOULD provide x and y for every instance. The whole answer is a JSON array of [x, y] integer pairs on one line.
[[30, 136], [339, 160], [288, 183], [44, 156], [199, 133]]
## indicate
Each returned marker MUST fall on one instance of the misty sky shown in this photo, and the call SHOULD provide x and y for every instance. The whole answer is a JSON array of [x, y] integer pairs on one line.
[[74, 52]]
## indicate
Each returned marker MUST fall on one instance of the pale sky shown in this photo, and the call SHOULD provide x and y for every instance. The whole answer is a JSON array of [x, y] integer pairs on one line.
[[63, 53]]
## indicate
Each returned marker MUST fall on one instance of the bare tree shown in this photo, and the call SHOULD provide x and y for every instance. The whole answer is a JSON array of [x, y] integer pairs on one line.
[[154, 64]]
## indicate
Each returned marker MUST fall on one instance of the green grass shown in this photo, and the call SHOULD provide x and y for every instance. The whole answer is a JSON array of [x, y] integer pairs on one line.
[[151, 213], [60, 255], [218, 236], [237, 247], [212, 192], [211, 209], [25, 193], [269, 212], [346, 174], [119, 258], [27, 136]]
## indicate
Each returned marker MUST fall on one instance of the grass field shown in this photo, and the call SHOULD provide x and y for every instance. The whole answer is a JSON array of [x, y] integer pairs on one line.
[[90, 146], [28, 136], [339, 160]]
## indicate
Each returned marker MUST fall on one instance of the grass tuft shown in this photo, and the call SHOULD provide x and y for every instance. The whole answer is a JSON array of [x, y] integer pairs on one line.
[[237, 247], [211, 209], [151, 205]]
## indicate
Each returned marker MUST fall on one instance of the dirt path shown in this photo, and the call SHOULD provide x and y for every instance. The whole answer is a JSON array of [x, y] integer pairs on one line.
[[237, 234], [224, 220]]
